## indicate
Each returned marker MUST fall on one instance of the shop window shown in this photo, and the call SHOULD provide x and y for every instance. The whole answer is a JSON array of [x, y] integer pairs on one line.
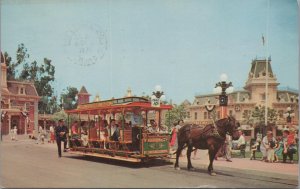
[[196, 115]]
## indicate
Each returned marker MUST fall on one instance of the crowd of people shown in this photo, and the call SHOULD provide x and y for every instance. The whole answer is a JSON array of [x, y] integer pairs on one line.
[[272, 148]]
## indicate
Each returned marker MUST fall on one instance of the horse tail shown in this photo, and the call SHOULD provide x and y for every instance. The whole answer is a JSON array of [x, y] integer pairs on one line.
[[181, 149]]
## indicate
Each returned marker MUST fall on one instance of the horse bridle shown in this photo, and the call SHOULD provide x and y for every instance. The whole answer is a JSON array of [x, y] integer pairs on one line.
[[228, 123]]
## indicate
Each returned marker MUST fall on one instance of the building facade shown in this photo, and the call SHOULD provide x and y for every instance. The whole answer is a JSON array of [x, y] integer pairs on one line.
[[242, 102], [19, 104]]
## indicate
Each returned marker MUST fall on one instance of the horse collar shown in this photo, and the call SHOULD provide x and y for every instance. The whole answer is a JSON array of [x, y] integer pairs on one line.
[[215, 131]]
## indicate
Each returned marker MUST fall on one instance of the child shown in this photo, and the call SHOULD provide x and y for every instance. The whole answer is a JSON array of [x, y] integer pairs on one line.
[[254, 148], [271, 150]]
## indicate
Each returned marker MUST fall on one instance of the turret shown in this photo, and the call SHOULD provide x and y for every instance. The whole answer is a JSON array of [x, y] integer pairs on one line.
[[83, 96]]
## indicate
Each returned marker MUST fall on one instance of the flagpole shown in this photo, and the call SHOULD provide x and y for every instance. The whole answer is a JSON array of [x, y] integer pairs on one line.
[[267, 68]]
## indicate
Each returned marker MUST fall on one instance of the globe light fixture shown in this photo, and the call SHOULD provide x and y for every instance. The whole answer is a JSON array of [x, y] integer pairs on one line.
[[223, 87], [158, 92]]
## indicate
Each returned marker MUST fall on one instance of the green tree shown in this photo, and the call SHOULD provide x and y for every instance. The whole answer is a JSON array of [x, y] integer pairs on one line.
[[41, 74], [62, 115], [177, 113], [258, 116], [69, 98]]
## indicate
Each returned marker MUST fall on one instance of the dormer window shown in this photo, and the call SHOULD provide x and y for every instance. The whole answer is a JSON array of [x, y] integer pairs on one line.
[[22, 90]]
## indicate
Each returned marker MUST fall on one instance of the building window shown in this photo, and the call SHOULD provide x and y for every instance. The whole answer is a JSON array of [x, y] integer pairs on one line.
[[205, 115], [188, 114], [27, 106], [196, 115], [21, 90]]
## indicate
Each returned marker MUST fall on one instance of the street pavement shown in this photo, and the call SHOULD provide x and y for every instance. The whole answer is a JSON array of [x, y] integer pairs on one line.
[[244, 164], [26, 164]]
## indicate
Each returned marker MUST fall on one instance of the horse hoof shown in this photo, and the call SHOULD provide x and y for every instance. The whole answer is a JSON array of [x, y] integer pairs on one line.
[[191, 169], [213, 174], [177, 168]]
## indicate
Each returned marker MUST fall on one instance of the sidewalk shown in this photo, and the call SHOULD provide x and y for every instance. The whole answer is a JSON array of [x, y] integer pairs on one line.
[[244, 164]]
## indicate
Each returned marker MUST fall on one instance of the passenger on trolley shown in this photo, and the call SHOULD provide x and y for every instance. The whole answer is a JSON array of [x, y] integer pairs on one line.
[[114, 130]]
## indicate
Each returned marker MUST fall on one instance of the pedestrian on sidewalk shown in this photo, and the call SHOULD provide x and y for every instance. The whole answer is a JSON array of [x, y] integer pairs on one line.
[[39, 137], [174, 140], [14, 132], [52, 136], [227, 148], [61, 136]]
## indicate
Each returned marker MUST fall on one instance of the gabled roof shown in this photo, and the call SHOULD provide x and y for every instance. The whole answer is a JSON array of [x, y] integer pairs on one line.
[[186, 102], [13, 88]]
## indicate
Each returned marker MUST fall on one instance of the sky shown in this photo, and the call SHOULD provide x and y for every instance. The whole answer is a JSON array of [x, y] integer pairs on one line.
[[183, 46]]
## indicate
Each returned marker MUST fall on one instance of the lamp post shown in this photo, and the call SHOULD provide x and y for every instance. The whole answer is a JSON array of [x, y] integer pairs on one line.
[[222, 88], [289, 115], [156, 97]]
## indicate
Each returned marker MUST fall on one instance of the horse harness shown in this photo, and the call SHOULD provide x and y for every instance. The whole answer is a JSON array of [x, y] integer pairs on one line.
[[206, 131]]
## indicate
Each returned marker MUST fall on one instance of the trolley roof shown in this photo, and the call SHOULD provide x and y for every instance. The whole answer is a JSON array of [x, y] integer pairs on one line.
[[118, 105]]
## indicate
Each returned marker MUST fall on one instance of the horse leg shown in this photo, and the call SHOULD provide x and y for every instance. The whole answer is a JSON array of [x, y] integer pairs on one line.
[[188, 155], [178, 152], [212, 153]]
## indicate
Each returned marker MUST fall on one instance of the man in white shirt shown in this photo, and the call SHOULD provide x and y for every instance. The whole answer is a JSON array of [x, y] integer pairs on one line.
[[240, 141]]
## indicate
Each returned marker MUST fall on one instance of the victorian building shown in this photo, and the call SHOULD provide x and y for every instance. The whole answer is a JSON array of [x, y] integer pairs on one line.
[[242, 102], [19, 104]]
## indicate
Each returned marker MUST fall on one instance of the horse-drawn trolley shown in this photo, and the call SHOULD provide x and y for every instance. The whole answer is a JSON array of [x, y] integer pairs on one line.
[[126, 129]]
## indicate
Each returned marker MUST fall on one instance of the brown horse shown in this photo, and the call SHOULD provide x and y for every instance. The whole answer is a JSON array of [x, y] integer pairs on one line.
[[210, 137]]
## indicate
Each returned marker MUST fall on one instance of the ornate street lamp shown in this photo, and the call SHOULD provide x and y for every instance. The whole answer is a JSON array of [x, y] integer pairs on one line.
[[157, 96], [222, 88], [158, 93]]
